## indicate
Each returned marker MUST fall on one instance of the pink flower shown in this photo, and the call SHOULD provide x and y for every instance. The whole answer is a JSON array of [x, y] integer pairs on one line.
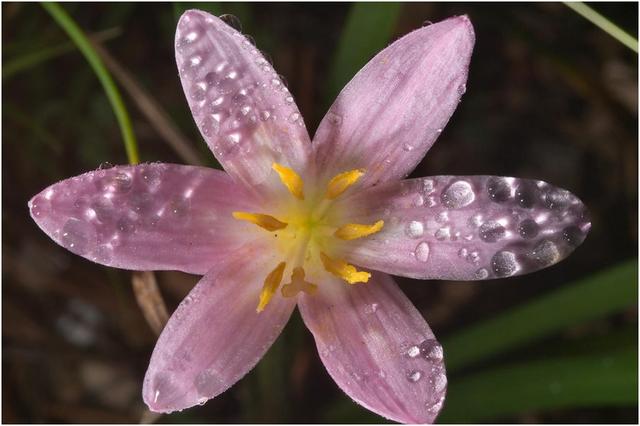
[[294, 223]]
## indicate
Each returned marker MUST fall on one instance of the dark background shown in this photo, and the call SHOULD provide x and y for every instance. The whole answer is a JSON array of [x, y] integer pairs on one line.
[[550, 96]]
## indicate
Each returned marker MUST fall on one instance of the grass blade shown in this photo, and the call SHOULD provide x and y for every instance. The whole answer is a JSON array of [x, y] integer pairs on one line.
[[598, 295], [604, 24], [82, 43], [582, 381]]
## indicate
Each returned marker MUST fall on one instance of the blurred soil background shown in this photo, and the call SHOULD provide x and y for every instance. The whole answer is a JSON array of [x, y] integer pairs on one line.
[[550, 96]]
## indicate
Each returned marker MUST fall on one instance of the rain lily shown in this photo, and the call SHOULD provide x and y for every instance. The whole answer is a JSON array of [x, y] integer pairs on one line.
[[294, 223]]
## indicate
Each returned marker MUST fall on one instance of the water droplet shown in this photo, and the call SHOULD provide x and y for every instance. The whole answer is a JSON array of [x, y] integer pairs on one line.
[[294, 117], [414, 229], [407, 147], [414, 376], [499, 189], [528, 229], [458, 194], [557, 199], [202, 400], [151, 176], [231, 21], [546, 253], [197, 93], [413, 351], [371, 309], [572, 235], [195, 61], [428, 186], [463, 252], [288, 99], [78, 236], [105, 165], [191, 36], [334, 118], [141, 202], [443, 233], [504, 263], [126, 225], [264, 115], [422, 252], [462, 89], [179, 206], [491, 231], [442, 217], [527, 194], [481, 274], [474, 257], [440, 382], [475, 220]]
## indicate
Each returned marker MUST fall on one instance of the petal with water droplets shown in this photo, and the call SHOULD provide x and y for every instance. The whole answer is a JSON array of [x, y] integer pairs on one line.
[[378, 348], [215, 336], [146, 217], [393, 110], [244, 112], [466, 227]]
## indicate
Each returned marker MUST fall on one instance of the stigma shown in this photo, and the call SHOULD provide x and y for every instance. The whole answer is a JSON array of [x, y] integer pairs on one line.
[[307, 238]]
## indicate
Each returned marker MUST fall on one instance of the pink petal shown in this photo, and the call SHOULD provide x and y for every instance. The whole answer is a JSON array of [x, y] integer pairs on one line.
[[466, 227], [243, 110], [393, 110], [378, 348], [146, 217], [215, 336]]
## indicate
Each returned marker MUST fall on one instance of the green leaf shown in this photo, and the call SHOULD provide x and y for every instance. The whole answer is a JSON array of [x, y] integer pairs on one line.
[[83, 44], [596, 296], [368, 29], [581, 381]]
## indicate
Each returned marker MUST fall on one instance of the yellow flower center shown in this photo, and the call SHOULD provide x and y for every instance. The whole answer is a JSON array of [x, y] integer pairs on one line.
[[307, 235]]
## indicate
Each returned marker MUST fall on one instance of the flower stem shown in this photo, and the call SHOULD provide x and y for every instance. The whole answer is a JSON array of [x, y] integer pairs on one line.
[[603, 23], [84, 45]]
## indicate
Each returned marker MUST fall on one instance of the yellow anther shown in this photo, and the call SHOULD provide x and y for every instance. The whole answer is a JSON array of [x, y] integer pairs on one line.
[[290, 179], [271, 284], [343, 270], [298, 284], [265, 221], [353, 231], [339, 183]]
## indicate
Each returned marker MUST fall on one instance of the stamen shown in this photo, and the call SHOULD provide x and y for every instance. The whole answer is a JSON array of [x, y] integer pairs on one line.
[[290, 179], [339, 183], [265, 221], [271, 284], [343, 270], [353, 231], [298, 284]]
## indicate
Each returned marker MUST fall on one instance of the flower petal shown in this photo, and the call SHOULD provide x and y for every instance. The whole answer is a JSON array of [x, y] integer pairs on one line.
[[393, 110], [378, 348], [215, 336], [146, 217], [466, 227], [243, 110]]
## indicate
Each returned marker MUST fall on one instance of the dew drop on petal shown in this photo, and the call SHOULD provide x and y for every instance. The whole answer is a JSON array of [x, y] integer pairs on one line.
[[78, 236], [491, 231], [413, 351], [504, 263], [546, 253], [458, 194], [499, 189], [481, 274], [527, 194], [414, 229], [422, 252], [528, 228], [414, 376], [232, 21], [572, 235]]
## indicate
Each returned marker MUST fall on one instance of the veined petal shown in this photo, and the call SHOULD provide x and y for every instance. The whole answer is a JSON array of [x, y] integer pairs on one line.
[[215, 336], [466, 227], [146, 217], [393, 110], [378, 348], [243, 110]]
